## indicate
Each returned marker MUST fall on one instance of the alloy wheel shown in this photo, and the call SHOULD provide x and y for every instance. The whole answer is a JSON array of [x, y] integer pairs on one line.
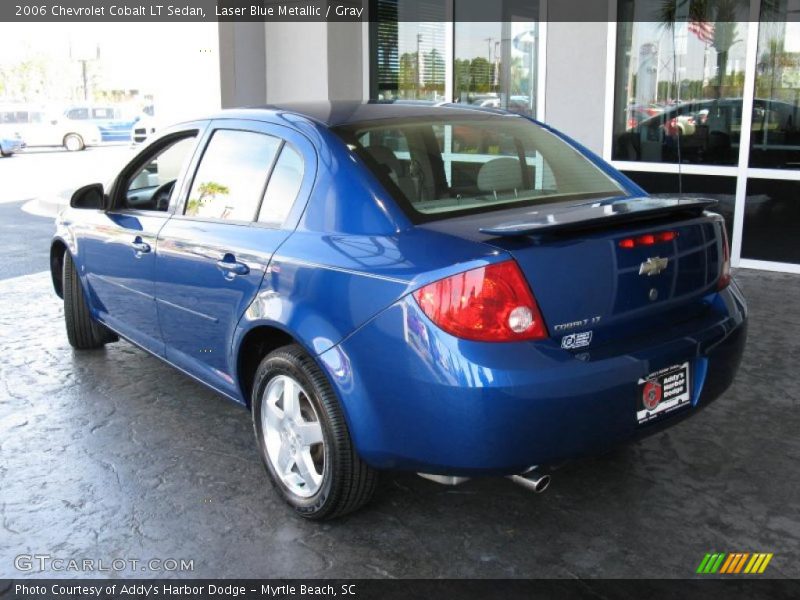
[[293, 436]]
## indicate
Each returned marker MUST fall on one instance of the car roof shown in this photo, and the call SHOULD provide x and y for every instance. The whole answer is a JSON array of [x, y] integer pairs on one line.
[[335, 113]]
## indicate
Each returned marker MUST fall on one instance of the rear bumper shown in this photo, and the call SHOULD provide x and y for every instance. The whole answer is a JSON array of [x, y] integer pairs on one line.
[[418, 399]]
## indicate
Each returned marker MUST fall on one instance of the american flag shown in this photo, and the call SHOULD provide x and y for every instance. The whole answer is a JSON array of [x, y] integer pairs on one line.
[[704, 30]]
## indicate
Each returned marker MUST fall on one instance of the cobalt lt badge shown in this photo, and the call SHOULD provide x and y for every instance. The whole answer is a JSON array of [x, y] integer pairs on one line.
[[651, 395]]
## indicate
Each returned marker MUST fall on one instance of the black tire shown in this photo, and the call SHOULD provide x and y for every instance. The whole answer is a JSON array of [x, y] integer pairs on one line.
[[83, 332], [73, 142], [5, 154], [347, 481]]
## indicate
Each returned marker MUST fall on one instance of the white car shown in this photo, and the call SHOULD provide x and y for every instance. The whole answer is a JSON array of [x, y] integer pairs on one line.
[[40, 127]]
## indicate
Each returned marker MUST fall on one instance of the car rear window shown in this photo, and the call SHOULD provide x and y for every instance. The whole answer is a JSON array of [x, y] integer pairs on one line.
[[447, 167]]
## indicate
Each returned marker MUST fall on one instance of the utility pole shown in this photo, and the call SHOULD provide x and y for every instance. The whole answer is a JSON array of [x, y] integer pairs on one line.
[[84, 52], [85, 80]]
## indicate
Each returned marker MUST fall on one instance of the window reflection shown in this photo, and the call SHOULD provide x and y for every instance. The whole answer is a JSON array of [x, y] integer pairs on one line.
[[492, 54], [680, 76], [775, 140], [283, 186], [495, 64], [231, 176], [408, 58]]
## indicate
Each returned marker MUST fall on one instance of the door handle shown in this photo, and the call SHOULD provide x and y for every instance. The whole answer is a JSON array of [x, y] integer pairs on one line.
[[231, 266], [140, 246]]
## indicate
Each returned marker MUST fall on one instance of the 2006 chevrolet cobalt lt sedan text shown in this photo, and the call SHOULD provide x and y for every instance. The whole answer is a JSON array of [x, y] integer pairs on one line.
[[452, 291]]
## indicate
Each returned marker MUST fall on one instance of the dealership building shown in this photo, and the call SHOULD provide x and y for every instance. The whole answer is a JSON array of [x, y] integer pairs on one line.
[[704, 101]]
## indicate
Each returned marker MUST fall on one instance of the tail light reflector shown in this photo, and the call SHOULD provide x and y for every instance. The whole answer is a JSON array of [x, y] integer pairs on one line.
[[487, 304], [725, 273]]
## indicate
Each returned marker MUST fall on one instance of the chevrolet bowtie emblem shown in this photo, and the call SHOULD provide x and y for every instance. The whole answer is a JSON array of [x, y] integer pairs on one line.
[[653, 266]]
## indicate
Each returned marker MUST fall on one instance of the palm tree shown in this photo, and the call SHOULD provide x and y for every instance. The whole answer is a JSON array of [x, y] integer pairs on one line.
[[723, 13], [205, 193]]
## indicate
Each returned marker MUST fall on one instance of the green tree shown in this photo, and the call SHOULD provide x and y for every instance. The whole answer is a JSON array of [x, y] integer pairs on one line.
[[481, 73], [205, 193], [434, 71]]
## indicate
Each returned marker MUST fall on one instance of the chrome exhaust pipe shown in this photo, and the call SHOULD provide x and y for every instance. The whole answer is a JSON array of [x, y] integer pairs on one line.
[[532, 480]]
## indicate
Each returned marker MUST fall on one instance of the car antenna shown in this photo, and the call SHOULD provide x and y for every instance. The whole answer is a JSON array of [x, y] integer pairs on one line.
[[677, 91]]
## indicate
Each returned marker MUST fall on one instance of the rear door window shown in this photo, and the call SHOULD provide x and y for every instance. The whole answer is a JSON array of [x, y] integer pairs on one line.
[[284, 184], [232, 174]]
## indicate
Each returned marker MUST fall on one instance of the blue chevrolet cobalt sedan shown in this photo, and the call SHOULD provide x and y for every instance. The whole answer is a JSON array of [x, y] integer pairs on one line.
[[448, 290]]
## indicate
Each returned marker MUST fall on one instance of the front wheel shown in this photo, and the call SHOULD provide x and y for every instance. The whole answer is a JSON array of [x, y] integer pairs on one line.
[[83, 332], [304, 440], [73, 142]]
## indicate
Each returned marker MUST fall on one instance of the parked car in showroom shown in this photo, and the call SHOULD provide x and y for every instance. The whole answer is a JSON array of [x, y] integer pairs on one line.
[[709, 132], [46, 127], [11, 141], [494, 304]]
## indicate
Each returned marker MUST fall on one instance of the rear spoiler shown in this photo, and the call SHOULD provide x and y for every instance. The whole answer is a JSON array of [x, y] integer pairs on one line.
[[593, 215]]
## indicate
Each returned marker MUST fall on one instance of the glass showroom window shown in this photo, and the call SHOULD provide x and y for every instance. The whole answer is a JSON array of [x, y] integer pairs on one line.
[[408, 50], [494, 65], [772, 202], [485, 54], [679, 75], [775, 134], [495, 61]]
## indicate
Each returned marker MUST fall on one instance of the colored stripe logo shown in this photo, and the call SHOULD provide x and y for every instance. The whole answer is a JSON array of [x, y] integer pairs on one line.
[[733, 563]]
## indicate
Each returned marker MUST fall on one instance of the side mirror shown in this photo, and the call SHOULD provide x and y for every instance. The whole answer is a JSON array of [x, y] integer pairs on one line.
[[89, 196]]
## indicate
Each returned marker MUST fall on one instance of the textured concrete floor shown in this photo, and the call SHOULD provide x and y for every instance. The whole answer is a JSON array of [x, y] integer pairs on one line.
[[112, 454]]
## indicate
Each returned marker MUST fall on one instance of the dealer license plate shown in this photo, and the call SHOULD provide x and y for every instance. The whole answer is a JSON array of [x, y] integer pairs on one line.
[[663, 392]]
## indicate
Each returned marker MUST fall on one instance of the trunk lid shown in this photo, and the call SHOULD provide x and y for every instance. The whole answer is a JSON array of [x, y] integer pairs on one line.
[[585, 281]]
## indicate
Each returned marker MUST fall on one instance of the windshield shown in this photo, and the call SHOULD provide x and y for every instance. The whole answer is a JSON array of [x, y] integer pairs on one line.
[[444, 167]]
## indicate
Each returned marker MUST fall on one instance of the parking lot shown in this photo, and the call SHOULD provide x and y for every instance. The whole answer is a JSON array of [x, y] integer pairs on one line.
[[46, 173], [112, 454]]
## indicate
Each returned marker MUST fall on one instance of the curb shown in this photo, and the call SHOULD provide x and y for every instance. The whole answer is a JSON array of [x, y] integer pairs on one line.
[[48, 206]]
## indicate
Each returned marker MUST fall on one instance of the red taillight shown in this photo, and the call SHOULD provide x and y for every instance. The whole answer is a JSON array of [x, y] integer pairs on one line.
[[487, 304], [725, 273], [648, 239]]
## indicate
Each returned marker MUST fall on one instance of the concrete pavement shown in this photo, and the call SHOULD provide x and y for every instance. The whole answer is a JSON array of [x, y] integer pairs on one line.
[[25, 241], [48, 176], [113, 454]]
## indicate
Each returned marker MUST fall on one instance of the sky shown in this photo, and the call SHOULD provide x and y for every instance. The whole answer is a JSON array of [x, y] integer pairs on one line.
[[177, 62]]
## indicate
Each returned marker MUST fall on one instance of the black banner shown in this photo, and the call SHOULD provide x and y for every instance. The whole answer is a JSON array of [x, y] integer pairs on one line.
[[406, 10], [733, 588]]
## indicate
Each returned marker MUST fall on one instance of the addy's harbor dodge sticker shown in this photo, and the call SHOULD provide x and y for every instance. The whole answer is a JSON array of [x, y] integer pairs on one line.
[[662, 392]]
